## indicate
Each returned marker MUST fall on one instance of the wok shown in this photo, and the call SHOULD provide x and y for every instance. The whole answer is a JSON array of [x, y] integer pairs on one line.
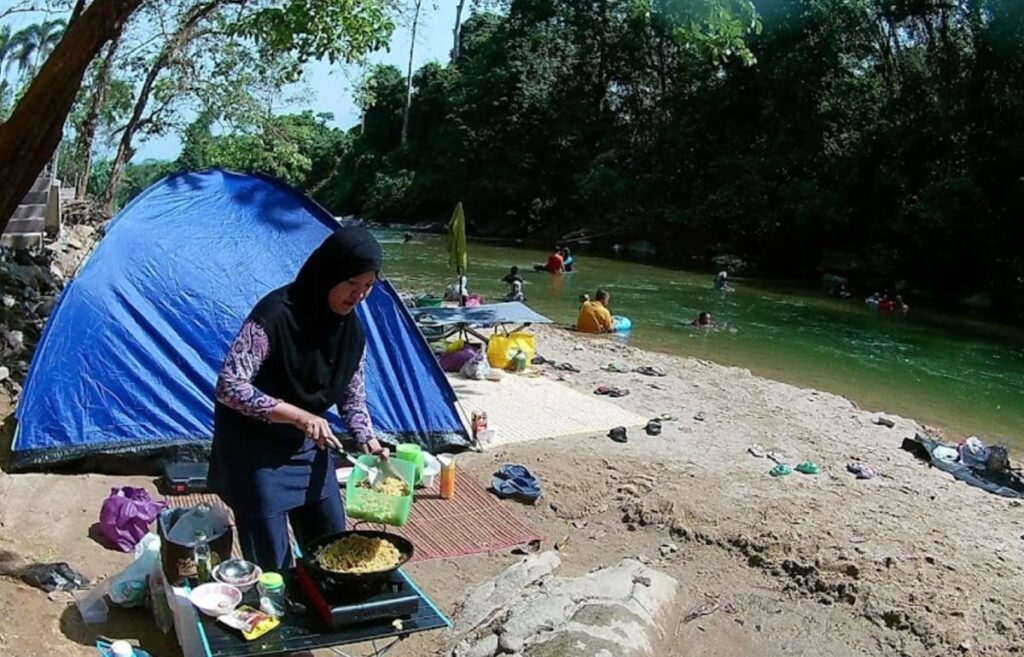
[[332, 578]]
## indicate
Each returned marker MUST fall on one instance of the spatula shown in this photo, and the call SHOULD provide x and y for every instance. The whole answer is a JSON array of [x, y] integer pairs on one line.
[[372, 474]]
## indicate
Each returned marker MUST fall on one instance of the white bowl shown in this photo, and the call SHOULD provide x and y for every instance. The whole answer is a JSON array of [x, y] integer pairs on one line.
[[216, 599], [241, 585]]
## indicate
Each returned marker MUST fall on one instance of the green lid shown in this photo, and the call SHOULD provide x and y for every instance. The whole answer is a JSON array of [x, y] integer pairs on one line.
[[271, 581]]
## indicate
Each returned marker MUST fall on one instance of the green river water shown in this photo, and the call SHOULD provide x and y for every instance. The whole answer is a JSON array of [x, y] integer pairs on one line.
[[962, 374]]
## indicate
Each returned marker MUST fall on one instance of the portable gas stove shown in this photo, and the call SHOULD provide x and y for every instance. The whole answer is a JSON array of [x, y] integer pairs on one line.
[[389, 598]]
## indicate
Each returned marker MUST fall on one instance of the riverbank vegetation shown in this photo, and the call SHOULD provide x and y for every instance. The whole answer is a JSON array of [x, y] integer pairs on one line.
[[882, 140]]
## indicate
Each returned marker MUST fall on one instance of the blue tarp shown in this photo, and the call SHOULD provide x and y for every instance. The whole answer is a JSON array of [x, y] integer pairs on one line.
[[129, 358]]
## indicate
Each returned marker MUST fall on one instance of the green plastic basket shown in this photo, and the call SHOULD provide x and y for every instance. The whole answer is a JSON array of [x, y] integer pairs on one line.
[[365, 504]]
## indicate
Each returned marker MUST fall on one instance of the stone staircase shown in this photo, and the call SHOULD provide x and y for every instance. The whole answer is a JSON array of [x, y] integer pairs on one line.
[[38, 214]]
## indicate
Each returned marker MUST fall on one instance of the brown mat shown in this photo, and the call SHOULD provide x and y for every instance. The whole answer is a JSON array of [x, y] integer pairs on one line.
[[473, 521]]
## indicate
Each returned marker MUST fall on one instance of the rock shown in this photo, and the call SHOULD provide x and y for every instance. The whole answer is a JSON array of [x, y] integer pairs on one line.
[[510, 644], [668, 548], [641, 249], [489, 598], [4, 373], [731, 263], [883, 421], [981, 300], [486, 647], [8, 301]]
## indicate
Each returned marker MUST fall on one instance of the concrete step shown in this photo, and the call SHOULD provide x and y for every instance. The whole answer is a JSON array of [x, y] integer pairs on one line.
[[36, 198], [22, 240], [32, 225], [29, 211], [42, 184]]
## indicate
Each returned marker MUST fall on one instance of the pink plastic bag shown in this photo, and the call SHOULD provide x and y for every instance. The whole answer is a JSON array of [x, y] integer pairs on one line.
[[126, 515]]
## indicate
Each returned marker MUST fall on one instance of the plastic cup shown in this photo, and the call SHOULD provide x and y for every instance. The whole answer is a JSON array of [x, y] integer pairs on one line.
[[412, 453]]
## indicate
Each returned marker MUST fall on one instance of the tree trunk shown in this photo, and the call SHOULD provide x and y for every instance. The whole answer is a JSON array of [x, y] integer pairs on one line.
[[125, 151], [458, 30], [87, 129], [31, 134], [408, 76]]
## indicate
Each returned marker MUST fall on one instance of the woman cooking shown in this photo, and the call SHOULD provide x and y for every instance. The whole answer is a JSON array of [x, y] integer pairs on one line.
[[299, 352]]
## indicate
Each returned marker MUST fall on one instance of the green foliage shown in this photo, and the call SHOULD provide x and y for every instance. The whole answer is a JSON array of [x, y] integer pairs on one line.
[[335, 30], [892, 130]]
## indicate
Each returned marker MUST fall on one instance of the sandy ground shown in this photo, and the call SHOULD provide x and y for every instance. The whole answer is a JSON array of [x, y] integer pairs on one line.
[[912, 563]]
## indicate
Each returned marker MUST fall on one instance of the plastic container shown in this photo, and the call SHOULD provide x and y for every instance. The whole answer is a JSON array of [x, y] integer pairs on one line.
[[121, 649], [414, 454], [487, 436], [431, 471], [447, 476], [272, 598], [369, 505]]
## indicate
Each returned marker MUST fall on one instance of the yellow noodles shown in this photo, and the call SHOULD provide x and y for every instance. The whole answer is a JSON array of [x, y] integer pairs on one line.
[[392, 486], [358, 554]]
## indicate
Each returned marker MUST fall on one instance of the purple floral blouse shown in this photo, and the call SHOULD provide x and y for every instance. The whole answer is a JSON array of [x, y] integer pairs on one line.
[[236, 391]]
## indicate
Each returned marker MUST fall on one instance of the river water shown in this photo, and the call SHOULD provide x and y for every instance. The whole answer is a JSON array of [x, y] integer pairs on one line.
[[965, 375]]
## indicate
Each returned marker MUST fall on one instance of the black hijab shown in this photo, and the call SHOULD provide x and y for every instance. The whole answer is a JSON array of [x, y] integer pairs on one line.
[[314, 352]]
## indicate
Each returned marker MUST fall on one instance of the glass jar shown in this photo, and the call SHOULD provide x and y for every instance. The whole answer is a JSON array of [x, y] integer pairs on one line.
[[272, 598]]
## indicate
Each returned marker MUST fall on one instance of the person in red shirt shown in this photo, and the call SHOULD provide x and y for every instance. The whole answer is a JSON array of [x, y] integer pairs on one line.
[[556, 264]]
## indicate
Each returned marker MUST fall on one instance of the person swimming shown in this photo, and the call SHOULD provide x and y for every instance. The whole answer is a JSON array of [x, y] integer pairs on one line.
[[512, 276], [406, 238], [704, 320], [515, 292], [722, 281]]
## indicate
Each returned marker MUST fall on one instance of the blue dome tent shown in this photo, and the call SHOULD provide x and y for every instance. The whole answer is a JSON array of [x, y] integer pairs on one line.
[[128, 361]]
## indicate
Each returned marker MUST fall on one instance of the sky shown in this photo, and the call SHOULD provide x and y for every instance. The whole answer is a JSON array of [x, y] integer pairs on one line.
[[330, 86]]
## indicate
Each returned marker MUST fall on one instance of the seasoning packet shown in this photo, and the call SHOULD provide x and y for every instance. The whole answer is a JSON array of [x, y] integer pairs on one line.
[[252, 622]]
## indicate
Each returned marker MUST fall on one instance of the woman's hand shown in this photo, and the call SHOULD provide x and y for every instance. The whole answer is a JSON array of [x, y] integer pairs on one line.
[[317, 429], [374, 447]]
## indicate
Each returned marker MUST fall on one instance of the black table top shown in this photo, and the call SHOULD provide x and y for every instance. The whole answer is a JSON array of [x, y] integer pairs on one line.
[[307, 631]]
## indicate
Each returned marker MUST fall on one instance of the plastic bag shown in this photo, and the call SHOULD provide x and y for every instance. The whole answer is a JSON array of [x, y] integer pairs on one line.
[[158, 601], [128, 588], [54, 577], [476, 367], [126, 515], [502, 348]]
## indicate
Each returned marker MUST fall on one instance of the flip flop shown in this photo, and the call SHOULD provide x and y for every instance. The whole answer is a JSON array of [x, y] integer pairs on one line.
[[777, 455], [667, 417], [862, 471], [567, 367], [809, 467], [621, 368], [516, 488], [611, 391], [780, 470], [618, 434], [514, 470], [540, 360], [649, 371], [757, 450], [653, 427]]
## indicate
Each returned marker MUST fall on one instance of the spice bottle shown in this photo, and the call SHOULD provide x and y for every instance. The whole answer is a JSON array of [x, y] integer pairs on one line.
[[447, 476], [201, 555], [272, 598]]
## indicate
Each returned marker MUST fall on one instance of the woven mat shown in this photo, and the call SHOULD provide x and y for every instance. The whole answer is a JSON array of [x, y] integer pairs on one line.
[[522, 408], [473, 521]]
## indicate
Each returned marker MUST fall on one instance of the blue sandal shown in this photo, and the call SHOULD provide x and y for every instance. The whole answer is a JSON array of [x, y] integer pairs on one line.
[[517, 488], [512, 470]]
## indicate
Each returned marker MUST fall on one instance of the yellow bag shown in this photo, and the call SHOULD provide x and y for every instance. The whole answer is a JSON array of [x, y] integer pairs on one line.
[[502, 348]]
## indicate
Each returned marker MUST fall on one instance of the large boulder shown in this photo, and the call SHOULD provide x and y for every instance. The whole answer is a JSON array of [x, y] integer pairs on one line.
[[611, 612]]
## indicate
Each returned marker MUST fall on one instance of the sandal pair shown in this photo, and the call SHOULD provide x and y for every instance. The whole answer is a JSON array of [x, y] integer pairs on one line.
[[611, 391]]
